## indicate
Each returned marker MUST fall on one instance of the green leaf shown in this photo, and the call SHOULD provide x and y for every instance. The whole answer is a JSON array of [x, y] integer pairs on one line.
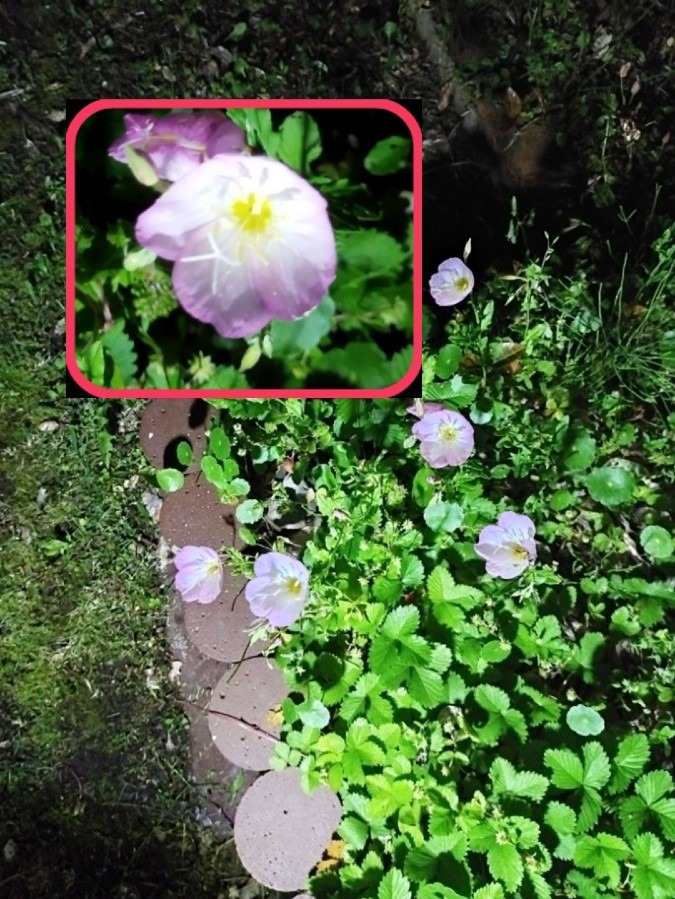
[[412, 571], [526, 784], [447, 361], [296, 337], [219, 444], [249, 511], [584, 721], [492, 699], [654, 876], [563, 820], [631, 757], [567, 769], [300, 142], [455, 391], [388, 796], [313, 713], [170, 479], [442, 516], [353, 831], [656, 542], [184, 453], [596, 766], [394, 885], [505, 864], [651, 801], [491, 891], [426, 687], [388, 156], [439, 584], [580, 451], [603, 853], [122, 351], [611, 485]]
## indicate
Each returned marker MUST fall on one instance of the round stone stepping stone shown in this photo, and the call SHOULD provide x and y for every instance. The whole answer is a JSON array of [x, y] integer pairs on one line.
[[281, 832], [243, 718], [166, 421], [195, 516], [218, 629]]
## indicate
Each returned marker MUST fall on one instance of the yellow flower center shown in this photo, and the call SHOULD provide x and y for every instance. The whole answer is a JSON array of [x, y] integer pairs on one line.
[[212, 568], [519, 553], [448, 433], [252, 214], [294, 586], [462, 283]]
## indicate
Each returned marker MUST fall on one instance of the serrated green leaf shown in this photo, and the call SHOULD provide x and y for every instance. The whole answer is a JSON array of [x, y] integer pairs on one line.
[[596, 766], [426, 687], [353, 831], [560, 817], [602, 852], [567, 769], [491, 698], [589, 813], [394, 885], [505, 864], [491, 891], [653, 786], [631, 757], [439, 584], [526, 784], [541, 888]]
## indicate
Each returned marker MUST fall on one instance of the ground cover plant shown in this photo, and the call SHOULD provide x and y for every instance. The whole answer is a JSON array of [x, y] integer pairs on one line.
[[491, 730], [304, 279]]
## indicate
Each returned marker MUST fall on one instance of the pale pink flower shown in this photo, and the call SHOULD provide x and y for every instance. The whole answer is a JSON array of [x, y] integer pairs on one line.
[[452, 283], [446, 438], [420, 408], [199, 576], [280, 589], [251, 240], [178, 143], [508, 546]]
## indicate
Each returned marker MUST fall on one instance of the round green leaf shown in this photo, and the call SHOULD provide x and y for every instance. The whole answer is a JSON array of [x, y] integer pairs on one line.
[[611, 485], [580, 451], [249, 511], [444, 516], [388, 156], [313, 713], [184, 452], [170, 479], [656, 542], [585, 721]]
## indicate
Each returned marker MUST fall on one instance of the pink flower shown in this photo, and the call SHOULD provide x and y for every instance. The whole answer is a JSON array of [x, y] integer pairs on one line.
[[280, 589], [199, 575], [420, 408], [446, 438], [452, 283], [508, 546], [176, 144], [251, 240]]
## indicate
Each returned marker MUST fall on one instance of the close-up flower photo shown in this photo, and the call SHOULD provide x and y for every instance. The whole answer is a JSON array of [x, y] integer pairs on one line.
[[234, 248]]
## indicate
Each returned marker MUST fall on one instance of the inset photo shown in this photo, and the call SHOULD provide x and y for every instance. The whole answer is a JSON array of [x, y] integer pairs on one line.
[[244, 248]]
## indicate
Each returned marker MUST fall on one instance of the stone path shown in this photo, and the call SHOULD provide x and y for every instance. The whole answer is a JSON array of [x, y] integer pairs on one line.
[[230, 691]]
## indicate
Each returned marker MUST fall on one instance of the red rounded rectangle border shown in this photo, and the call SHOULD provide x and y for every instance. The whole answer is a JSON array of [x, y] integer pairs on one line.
[[243, 393]]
